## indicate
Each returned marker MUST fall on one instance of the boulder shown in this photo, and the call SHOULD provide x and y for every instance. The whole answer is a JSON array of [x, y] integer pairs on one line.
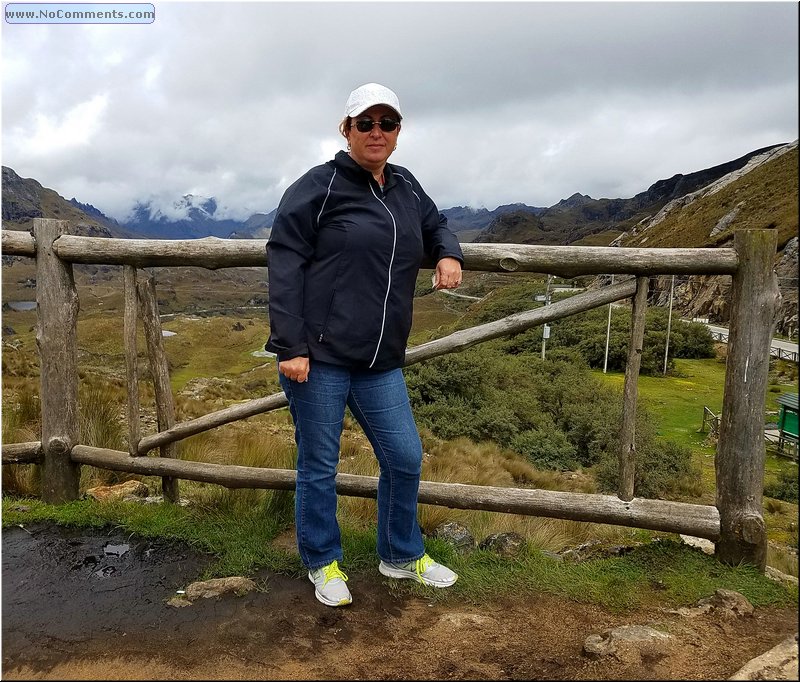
[[107, 493], [505, 544], [728, 603], [779, 663]]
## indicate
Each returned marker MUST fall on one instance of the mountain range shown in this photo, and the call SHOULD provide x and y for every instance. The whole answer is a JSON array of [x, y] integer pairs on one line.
[[578, 218], [698, 209]]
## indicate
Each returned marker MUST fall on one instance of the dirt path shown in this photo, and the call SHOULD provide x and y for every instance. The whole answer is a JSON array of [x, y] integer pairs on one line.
[[72, 610]]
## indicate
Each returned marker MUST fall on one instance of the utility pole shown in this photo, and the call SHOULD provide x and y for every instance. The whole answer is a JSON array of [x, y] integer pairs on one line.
[[669, 324], [546, 329], [608, 332]]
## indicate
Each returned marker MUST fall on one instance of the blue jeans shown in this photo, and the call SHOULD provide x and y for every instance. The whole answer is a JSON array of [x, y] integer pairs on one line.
[[379, 402]]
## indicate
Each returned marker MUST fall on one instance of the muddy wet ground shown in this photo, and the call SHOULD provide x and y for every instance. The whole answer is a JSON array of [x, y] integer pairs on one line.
[[92, 604]]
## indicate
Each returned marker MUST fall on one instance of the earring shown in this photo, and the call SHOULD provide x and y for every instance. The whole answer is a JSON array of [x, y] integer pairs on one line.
[[348, 146], [395, 147]]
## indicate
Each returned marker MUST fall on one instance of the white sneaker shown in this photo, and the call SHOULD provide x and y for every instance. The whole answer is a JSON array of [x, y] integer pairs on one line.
[[424, 570], [329, 582]]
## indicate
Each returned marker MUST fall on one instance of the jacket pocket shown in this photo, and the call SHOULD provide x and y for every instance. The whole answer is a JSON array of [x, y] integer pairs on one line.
[[327, 317]]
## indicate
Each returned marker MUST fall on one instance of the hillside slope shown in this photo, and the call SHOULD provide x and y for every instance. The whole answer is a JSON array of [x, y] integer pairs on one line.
[[580, 217], [763, 194], [25, 199]]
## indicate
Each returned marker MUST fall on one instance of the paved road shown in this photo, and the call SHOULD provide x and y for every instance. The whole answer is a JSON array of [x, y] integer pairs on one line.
[[780, 349]]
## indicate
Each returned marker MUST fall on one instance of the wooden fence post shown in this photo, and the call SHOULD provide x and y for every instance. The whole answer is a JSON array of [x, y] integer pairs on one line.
[[129, 279], [159, 368], [627, 455], [741, 451], [56, 338]]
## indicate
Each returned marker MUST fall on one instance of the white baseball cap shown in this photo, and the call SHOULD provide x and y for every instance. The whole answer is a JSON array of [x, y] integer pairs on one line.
[[369, 95]]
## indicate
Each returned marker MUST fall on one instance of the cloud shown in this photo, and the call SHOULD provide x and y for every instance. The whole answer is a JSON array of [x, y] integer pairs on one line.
[[504, 102]]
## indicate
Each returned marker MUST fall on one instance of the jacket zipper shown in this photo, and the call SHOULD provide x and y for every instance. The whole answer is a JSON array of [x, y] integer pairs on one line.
[[391, 262]]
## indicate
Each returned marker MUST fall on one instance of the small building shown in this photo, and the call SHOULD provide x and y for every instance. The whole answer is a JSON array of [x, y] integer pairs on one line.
[[787, 423]]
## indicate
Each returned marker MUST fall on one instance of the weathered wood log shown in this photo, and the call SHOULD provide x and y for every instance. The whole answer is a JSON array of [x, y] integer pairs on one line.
[[18, 243], [131, 369], [22, 453], [159, 368], [212, 420], [755, 299], [673, 517], [457, 341], [627, 454], [56, 337], [519, 322], [567, 261]]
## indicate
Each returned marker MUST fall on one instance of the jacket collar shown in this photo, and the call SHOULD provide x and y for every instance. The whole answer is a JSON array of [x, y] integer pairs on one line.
[[349, 167]]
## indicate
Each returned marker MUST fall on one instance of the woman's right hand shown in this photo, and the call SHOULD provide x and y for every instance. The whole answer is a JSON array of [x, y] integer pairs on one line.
[[295, 369]]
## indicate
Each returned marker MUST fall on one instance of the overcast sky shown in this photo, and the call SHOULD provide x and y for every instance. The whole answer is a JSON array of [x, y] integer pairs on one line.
[[503, 102]]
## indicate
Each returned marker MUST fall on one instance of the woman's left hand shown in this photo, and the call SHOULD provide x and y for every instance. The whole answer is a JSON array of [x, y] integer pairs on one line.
[[448, 274]]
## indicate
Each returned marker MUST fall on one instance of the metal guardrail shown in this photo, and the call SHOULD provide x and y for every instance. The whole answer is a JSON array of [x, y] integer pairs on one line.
[[783, 354], [774, 351]]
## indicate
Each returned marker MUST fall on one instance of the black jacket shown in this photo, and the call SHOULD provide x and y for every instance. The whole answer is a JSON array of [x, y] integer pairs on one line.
[[343, 258]]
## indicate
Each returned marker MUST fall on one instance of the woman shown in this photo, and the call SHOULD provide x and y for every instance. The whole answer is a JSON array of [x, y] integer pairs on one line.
[[343, 256]]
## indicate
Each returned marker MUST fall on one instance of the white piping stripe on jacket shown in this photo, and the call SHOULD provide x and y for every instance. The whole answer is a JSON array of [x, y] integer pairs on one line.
[[319, 215], [389, 285], [412, 186]]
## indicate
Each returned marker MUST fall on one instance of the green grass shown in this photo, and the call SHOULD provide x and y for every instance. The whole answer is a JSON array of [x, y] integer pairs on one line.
[[676, 402], [665, 573]]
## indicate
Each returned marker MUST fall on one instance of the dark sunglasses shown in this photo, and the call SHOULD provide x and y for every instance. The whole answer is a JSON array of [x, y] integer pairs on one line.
[[388, 125]]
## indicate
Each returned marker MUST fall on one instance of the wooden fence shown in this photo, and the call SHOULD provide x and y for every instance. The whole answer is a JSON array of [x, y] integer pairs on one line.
[[735, 523]]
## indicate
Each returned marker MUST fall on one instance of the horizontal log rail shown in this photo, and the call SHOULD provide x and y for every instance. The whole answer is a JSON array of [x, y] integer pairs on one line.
[[18, 243], [213, 253], [660, 515], [456, 341], [520, 322], [22, 453], [211, 420]]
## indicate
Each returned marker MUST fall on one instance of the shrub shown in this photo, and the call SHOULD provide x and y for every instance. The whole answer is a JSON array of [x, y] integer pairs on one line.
[[785, 488], [546, 448], [588, 333], [663, 468]]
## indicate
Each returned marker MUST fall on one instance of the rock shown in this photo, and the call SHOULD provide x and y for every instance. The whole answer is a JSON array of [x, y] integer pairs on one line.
[[725, 222], [216, 587], [455, 534], [505, 544], [595, 549], [628, 643], [779, 663], [779, 576], [8, 331], [597, 646], [691, 612], [238, 327], [701, 543], [107, 493], [728, 603], [179, 602]]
